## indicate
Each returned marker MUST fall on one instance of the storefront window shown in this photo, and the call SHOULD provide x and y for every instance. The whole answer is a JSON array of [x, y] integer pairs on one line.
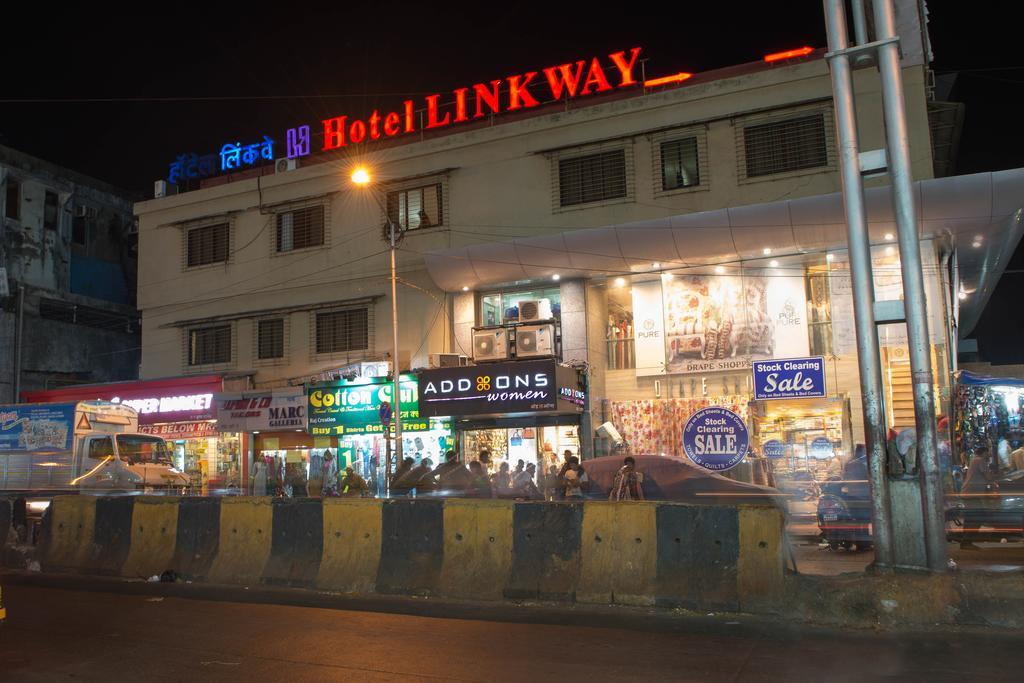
[[819, 311], [500, 308], [621, 345]]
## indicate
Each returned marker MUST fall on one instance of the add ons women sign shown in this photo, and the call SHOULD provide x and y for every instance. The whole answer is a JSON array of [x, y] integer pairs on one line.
[[789, 378]]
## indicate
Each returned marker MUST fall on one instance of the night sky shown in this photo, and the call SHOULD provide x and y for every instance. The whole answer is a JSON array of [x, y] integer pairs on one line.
[[118, 96]]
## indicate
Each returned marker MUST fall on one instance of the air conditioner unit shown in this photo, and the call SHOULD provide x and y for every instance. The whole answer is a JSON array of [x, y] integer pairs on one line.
[[448, 360], [85, 212], [608, 431], [533, 341], [285, 165], [538, 309], [160, 188], [490, 344]]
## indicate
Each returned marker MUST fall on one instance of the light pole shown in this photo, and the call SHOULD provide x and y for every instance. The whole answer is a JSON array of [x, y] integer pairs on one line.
[[361, 177]]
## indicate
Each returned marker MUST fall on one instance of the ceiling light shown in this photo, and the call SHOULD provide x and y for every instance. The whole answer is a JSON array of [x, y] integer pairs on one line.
[[655, 265], [620, 282], [556, 277], [976, 244], [889, 251], [888, 237], [829, 257], [962, 295], [465, 288], [719, 269], [766, 251], [774, 263]]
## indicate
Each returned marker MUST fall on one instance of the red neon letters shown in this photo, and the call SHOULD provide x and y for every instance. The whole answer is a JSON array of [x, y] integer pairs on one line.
[[523, 91]]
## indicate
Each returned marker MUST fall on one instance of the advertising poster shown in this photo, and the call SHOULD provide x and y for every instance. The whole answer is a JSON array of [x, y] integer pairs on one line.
[[649, 328], [264, 412], [44, 427], [718, 322]]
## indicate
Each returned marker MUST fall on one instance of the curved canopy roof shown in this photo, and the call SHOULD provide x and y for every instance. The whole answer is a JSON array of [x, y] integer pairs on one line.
[[959, 209]]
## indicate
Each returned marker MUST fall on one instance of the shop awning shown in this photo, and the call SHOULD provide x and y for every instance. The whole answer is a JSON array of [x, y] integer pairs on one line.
[[971, 379], [958, 208]]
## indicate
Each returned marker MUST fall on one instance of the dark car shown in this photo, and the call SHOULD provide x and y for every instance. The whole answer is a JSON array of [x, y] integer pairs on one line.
[[992, 515], [669, 478]]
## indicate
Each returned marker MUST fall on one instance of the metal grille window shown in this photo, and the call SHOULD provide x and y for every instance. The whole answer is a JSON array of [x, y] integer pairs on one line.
[[679, 164], [208, 345], [342, 331], [12, 208], [300, 228], [418, 207], [270, 339], [788, 145], [208, 244], [51, 211], [592, 178]]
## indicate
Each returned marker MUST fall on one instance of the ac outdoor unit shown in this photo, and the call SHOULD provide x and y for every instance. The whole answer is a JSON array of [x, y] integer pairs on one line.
[[285, 165], [161, 188], [448, 360], [533, 341], [490, 344], [537, 309], [608, 431]]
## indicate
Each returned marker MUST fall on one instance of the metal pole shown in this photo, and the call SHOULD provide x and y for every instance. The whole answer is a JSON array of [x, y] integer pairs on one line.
[[396, 398], [913, 285], [19, 334], [868, 358], [860, 22]]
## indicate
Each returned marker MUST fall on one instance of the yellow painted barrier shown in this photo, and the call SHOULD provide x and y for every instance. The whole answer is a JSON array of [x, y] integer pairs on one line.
[[245, 535], [351, 553], [761, 562], [153, 537], [618, 553], [477, 548], [72, 530]]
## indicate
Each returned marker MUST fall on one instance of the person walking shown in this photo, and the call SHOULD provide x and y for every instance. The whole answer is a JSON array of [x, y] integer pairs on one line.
[[628, 483], [329, 476], [259, 477]]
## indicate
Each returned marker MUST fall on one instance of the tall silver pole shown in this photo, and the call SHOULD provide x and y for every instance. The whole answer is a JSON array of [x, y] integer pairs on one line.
[[868, 358], [860, 21], [396, 398], [913, 285]]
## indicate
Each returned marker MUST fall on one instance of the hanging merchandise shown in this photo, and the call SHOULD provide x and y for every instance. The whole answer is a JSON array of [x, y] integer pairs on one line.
[[516, 438], [528, 433]]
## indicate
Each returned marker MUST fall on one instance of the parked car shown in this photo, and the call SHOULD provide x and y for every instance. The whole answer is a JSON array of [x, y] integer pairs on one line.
[[670, 478]]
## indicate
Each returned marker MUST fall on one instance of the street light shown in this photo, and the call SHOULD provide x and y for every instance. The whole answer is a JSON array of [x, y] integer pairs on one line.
[[361, 177]]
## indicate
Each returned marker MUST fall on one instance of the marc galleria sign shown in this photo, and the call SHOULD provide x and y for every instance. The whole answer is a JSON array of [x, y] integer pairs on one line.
[[501, 95]]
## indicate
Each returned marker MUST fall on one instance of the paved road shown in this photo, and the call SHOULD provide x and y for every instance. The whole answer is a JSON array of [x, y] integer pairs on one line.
[[146, 633]]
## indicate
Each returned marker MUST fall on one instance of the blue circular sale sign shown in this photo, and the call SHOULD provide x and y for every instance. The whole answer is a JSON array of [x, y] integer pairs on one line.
[[773, 449], [715, 438]]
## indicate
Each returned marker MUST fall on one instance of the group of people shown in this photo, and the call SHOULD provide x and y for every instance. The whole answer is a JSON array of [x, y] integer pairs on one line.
[[291, 481], [453, 478]]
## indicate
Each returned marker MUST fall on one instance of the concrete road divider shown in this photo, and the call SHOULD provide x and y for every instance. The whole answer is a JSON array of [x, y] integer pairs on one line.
[[635, 553]]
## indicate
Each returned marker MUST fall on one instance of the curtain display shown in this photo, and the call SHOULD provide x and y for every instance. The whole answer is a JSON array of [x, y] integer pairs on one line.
[[656, 426]]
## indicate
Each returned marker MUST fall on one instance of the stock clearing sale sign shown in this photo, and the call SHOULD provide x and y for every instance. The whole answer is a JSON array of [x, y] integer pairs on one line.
[[715, 438], [789, 378]]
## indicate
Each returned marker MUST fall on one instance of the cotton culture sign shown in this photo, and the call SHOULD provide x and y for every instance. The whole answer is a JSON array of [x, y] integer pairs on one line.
[[789, 378], [341, 409], [512, 94]]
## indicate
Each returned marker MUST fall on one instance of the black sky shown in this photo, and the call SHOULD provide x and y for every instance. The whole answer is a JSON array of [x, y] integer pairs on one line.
[[157, 66]]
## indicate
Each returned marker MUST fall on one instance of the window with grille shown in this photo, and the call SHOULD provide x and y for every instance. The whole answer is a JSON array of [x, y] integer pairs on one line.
[[12, 207], [270, 339], [418, 207], [679, 164], [342, 331], [592, 178], [50, 211], [208, 244], [790, 145], [209, 345], [300, 228]]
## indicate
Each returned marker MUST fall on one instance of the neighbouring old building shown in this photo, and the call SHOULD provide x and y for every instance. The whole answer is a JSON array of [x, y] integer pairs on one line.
[[68, 255], [658, 232]]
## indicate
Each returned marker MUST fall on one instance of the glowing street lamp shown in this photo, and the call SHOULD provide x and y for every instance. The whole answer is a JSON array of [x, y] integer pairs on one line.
[[361, 177]]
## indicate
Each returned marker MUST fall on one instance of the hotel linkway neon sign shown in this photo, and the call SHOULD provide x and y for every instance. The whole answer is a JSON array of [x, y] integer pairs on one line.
[[463, 105]]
